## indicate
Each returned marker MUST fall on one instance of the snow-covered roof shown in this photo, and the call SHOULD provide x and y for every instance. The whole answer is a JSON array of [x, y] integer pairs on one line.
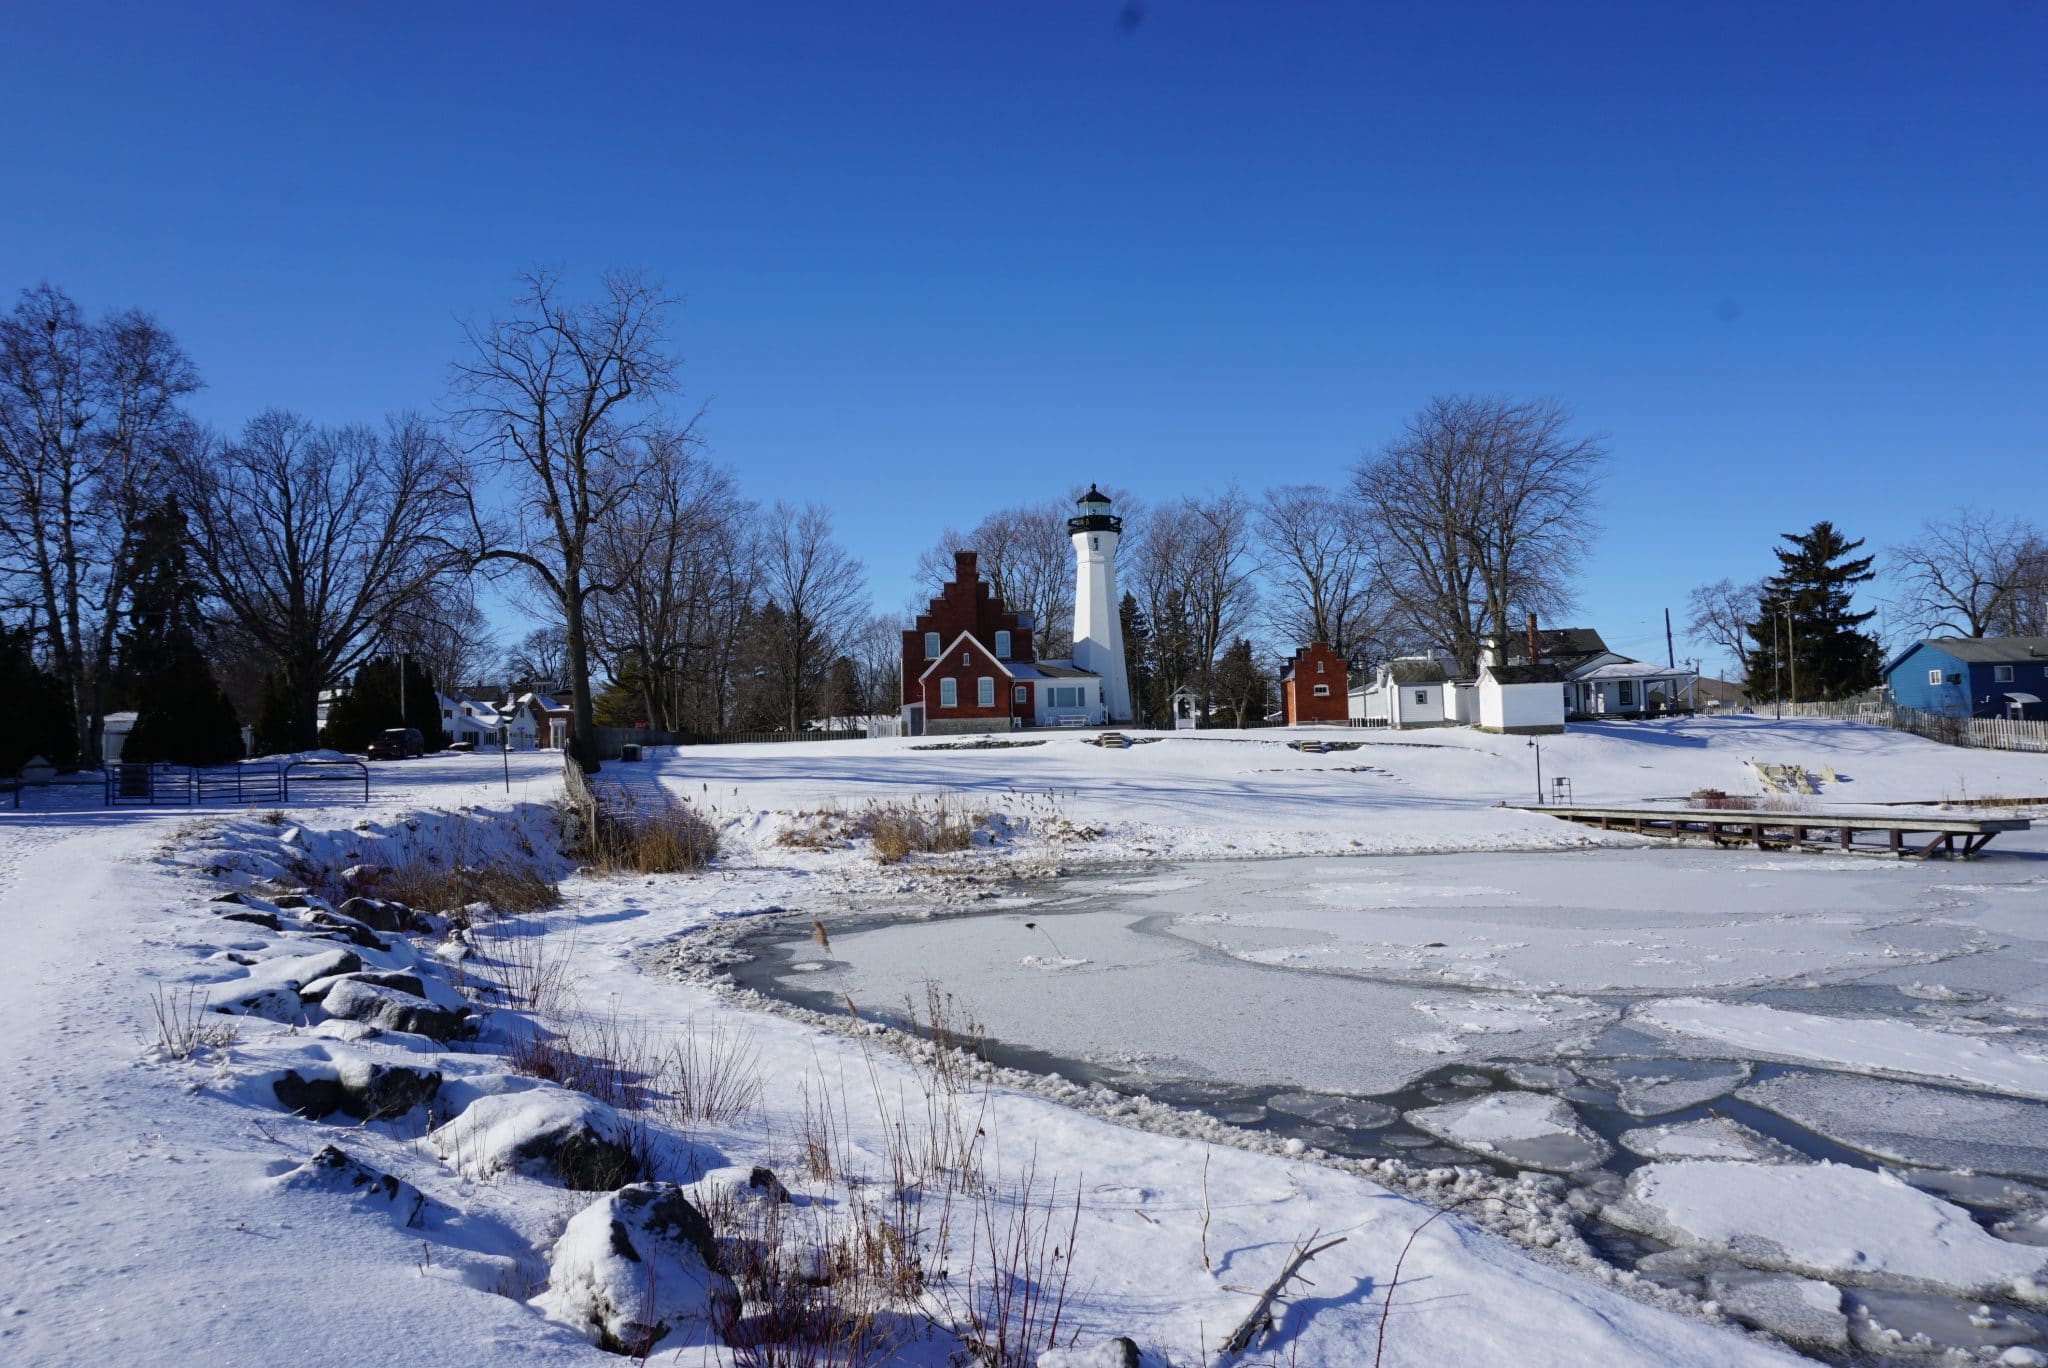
[[1631, 669]]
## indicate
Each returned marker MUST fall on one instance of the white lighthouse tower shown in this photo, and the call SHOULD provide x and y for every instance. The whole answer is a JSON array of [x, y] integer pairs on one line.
[[1098, 630]]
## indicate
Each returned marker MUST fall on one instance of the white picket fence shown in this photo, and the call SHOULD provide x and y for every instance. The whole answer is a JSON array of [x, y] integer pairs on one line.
[[1980, 733]]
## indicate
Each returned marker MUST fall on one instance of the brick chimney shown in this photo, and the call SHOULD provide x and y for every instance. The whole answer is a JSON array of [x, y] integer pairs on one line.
[[1533, 657], [964, 570]]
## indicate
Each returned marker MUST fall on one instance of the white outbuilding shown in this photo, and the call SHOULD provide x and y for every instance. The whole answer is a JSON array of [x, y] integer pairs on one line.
[[1405, 692]]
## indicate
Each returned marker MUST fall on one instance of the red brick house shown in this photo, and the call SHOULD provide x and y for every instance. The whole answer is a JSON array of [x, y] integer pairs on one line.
[[969, 665], [1315, 687]]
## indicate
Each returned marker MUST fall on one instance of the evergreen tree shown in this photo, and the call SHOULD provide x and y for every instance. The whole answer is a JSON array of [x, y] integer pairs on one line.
[[1809, 602], [39, 709], [276, 719], [1146, 705], [1241, 684], [372, 705], [182, 716]]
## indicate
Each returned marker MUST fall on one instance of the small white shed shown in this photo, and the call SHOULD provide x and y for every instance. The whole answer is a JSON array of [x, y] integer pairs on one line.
[[1521, 699], [1409, 691]]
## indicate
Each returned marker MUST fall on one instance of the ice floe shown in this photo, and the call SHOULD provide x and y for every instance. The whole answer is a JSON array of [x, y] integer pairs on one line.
[[1532, 1130], [1911, 1124], [1711, 1137]]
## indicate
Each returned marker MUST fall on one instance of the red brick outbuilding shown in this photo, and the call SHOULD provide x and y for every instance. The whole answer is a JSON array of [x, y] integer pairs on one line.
[[1315, 686]]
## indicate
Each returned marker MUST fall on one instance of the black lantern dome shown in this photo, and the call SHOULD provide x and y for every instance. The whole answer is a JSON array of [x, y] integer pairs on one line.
[[1094, 514]]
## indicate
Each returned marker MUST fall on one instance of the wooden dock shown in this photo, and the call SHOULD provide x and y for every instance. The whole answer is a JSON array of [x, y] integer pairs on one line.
[[1915, 836]]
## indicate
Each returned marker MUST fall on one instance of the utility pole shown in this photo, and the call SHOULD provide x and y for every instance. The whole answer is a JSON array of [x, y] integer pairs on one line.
[[1777, 661], [1670, 660], [1791, 651], [1539, 769]]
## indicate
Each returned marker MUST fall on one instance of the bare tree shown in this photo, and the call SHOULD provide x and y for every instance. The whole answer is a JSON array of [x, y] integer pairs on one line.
[[316, 540], [88, 417], [443, 630], [1964, 573], [1721, 614], [821, 593], [1479, 511], [1028, 558], [1320, 567], [681, 551], [535, 659], [558, 398], [1192, 573]]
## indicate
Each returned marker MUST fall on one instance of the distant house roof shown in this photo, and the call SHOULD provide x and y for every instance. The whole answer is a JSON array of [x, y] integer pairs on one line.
[[1064, 669], [1566, 646], [1630, 669], [1415, 670], [1524, 674], [1981, 650]]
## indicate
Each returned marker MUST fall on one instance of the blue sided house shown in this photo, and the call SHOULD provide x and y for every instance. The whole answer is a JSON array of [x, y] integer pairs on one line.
[[1973, 677]]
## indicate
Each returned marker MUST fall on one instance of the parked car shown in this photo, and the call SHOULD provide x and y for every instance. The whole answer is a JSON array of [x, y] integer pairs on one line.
[[398, 743]]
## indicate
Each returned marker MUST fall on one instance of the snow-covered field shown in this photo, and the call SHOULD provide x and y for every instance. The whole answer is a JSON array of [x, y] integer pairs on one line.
[[171, 1210]]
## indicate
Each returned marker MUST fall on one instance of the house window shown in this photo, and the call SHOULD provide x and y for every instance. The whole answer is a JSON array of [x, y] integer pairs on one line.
[[1626, 693], [1422, 695], [1934, 677], [1322, 691], [984, 692], [2001, 674], [949, 693], [1319, 667], [931, 645], [1023, 693], [1002, 645]]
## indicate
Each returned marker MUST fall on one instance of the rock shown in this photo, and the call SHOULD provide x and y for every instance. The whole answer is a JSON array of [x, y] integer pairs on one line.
[[267, 920], [333, 1171], [309, 1097], [383, 978], [738, 1183], [302, 900], [360, 876], [371, 1091], [355, 931], [273, 1004], [381, 914], [637, 1266], [544, 1132], [355, 999]]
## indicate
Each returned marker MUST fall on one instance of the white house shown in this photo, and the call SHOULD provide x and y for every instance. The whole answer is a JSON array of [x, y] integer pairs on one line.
[[1410, 691], [1600, 682], [1518, 698], [466, 720]]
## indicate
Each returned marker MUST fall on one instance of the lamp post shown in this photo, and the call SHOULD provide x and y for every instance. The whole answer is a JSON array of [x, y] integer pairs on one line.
[[1539, 768]]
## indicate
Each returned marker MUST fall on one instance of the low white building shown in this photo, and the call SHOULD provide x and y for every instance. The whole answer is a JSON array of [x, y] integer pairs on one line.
[[1521, 699], [1411, 691], [468, 721], [1619, 687], [1063, 694]]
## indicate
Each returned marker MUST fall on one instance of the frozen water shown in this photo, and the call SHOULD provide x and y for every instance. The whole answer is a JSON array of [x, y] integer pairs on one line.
[[1805, 1311], [1712, 1137], [1912, 1124], [1654, 1087], [1544, 1077], [1351, 1113], [1533, 1130], [1827, 1220]]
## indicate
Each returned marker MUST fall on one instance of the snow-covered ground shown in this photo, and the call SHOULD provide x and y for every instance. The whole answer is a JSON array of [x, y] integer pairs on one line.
[[174, 1211]]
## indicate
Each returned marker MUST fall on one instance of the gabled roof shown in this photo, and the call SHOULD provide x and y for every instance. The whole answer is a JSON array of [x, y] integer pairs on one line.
[[973, 641], [1566, 646], [1981, 650], [1415, 670], [1523, 674], [1064, 669]]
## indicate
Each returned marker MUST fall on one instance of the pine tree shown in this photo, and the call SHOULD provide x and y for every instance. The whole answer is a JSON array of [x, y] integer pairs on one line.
[[1810, 598], [372, 704], [1137, 634], [1241, 684], [182, 716], [39, 709]]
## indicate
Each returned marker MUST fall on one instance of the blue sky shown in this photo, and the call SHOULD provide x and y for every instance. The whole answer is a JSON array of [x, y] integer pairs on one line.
[[941, 258]]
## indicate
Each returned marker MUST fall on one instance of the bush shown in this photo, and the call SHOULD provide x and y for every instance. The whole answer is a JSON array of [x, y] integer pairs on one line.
[[669, 840], [900, 830]]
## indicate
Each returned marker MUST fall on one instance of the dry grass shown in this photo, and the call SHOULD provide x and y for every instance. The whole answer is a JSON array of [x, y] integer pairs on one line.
[[671, 840], [183, 1027], [918, 827], [451, 888], [712, 1076]]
